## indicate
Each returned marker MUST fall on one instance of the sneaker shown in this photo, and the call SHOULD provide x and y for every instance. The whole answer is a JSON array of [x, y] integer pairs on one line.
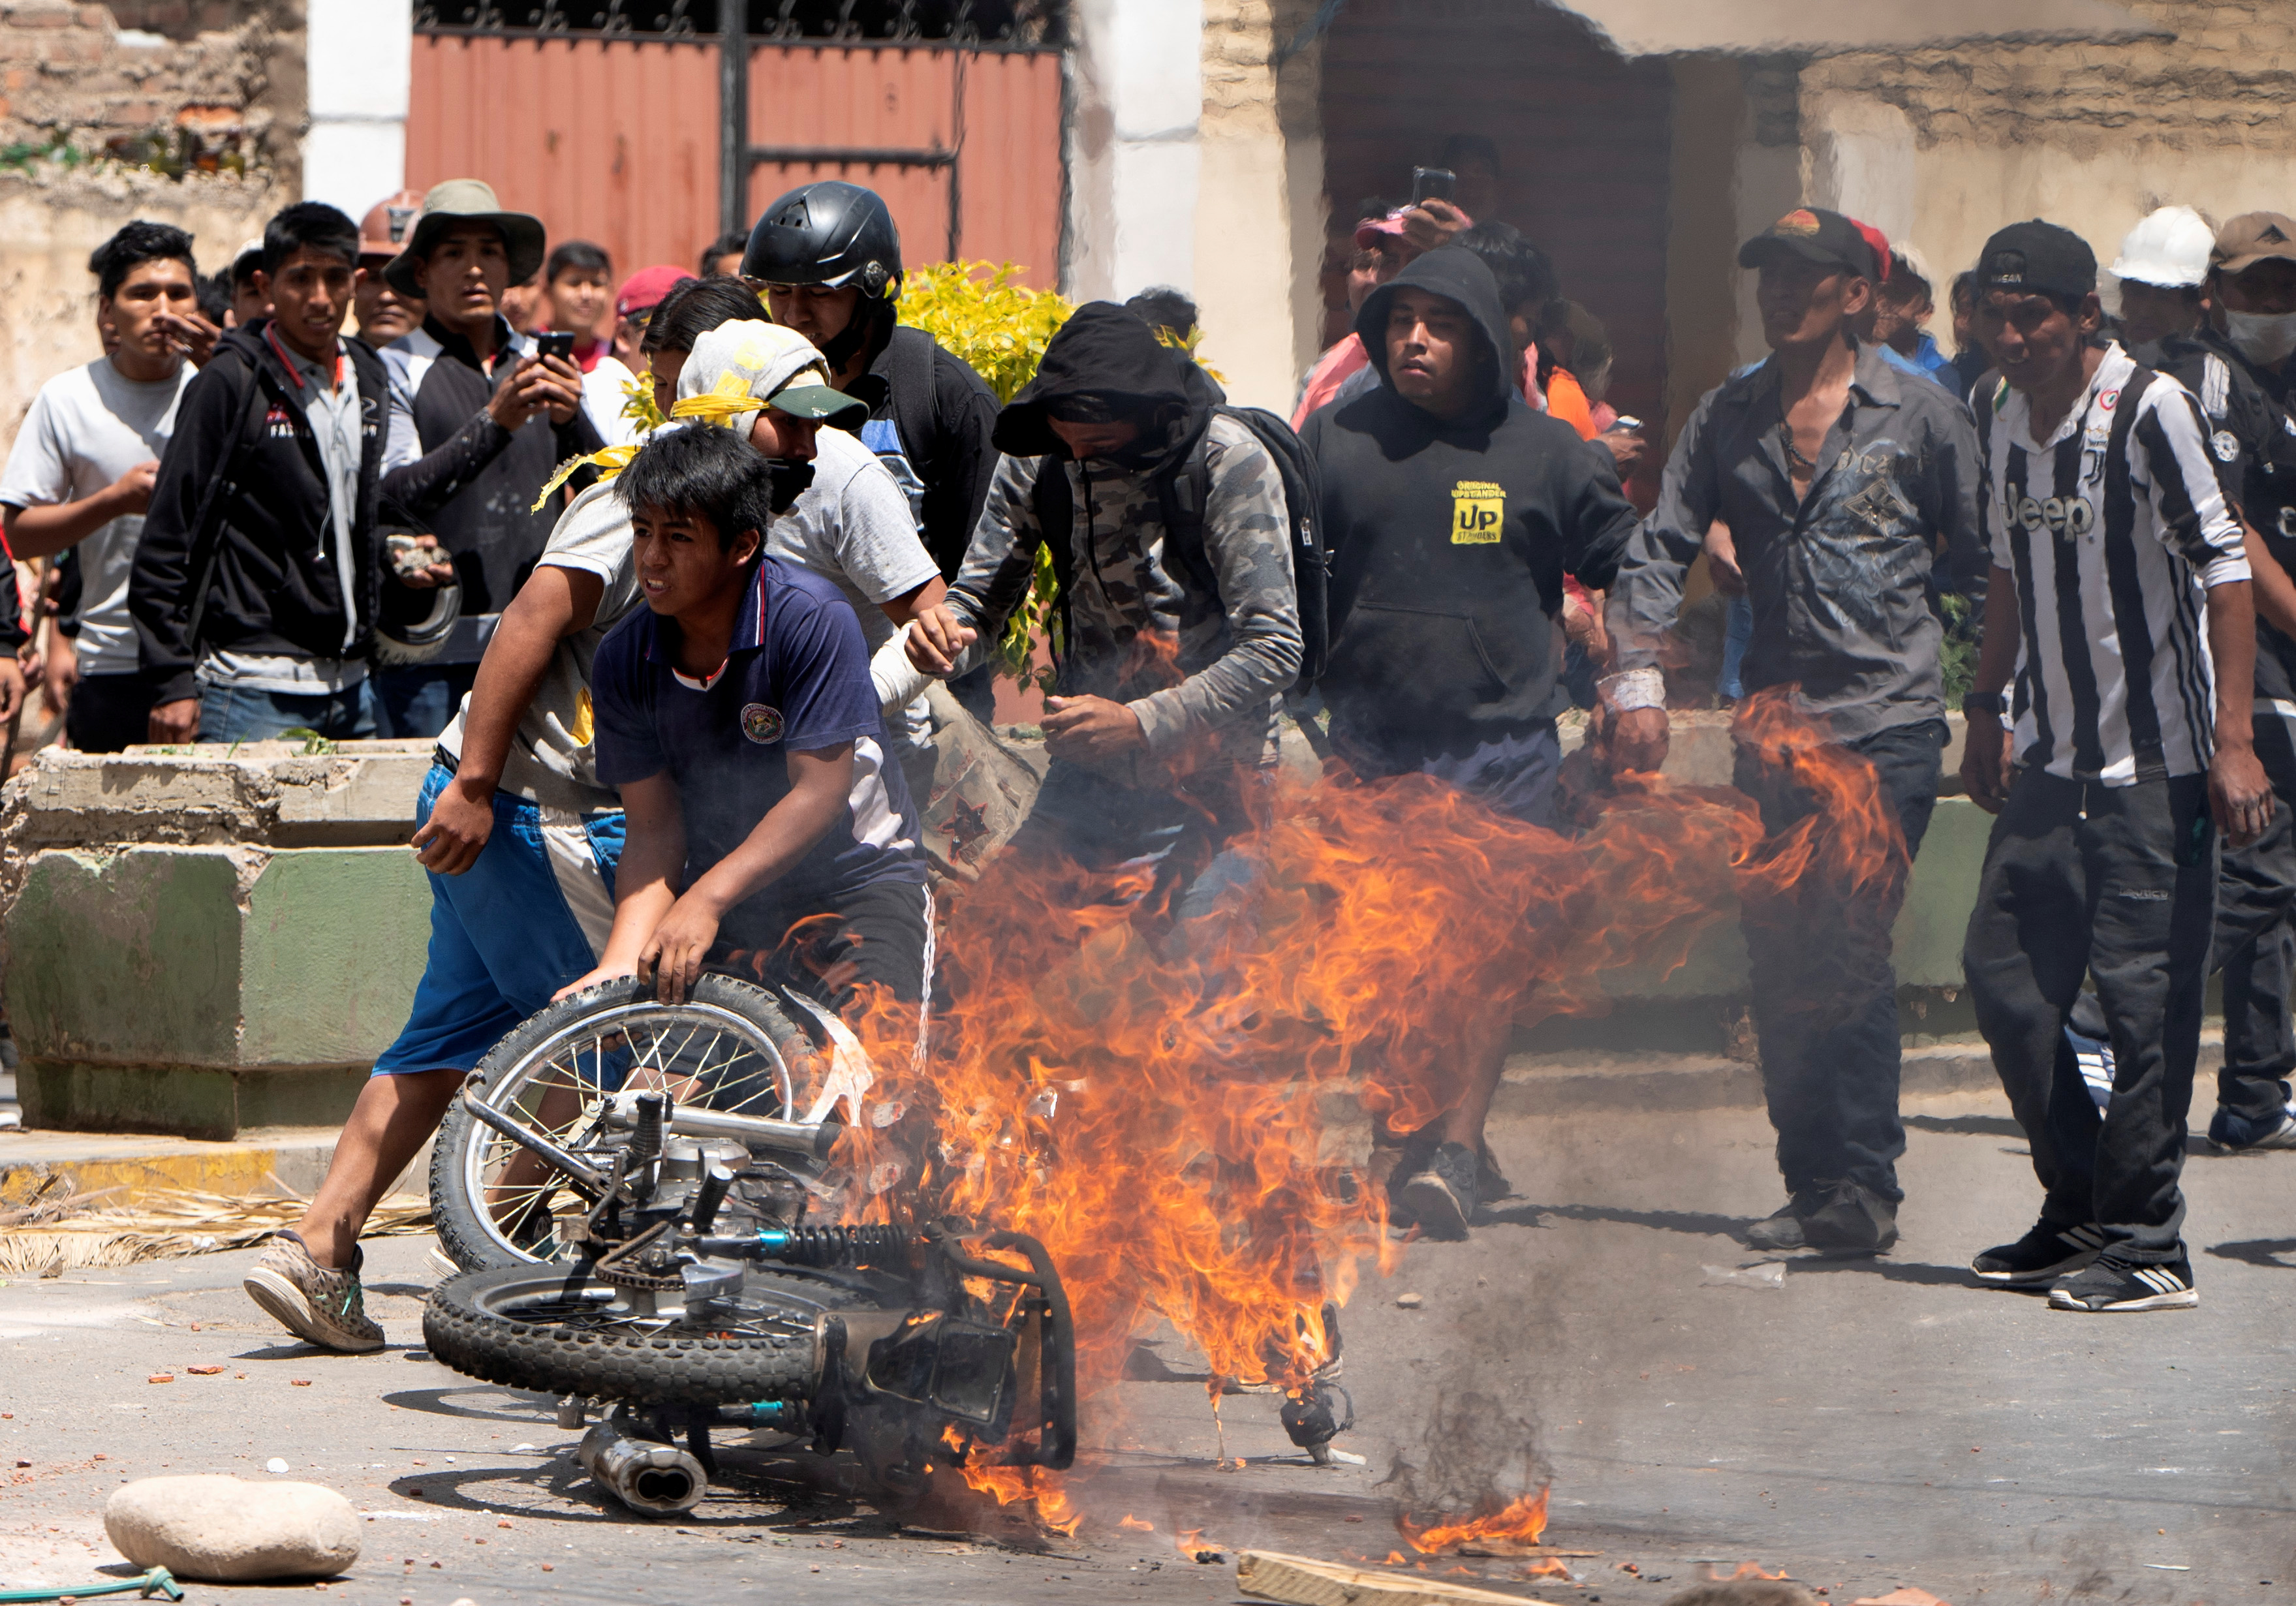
[[316, 1303], [1853, 1220], [1440, 1195], [2112, 1283], [1784, 1230], [2040, 1257], [2230, 1134], [1490, 1182]]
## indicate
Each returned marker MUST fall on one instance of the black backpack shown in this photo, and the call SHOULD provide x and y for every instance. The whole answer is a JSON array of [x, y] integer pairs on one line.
[[1184, 491]]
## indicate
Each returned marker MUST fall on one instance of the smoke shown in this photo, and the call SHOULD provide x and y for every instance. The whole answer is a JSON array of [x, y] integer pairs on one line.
[[1475, 1455]]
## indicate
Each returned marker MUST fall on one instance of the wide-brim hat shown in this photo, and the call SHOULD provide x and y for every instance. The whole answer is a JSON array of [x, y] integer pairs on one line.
[[468, 201]]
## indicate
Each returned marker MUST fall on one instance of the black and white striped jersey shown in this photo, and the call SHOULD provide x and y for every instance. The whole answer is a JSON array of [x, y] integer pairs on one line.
[[2114, 527]]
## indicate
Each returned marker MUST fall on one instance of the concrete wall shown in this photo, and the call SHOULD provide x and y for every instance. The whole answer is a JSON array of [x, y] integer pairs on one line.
[[358, 56], [1259, 212], [1945, 146], [1135, 87]]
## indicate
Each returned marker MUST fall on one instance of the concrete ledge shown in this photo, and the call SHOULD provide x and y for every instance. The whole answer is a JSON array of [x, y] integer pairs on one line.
[[261, 1162]]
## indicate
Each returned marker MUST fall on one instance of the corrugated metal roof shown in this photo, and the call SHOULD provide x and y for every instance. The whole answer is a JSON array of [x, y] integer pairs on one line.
[[1817, 27]]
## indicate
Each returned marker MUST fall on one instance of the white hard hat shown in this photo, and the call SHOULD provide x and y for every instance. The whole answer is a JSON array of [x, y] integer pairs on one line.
[[2170, 248]]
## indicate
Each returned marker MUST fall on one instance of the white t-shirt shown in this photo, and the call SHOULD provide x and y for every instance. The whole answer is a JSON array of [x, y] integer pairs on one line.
[[552, 761], [86, 429], [852, 527]]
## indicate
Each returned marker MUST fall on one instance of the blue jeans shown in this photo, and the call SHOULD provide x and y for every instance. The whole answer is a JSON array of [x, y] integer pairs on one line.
[[1825, 992], [1737, 635], [243, 713], [420, 700], [508, 931]]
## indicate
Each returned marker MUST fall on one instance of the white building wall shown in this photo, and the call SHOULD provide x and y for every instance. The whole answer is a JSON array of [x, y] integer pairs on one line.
[[1134, 158], [358, 54]]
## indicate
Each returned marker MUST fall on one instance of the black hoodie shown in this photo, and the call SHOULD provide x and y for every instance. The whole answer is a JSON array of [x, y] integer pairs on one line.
[[1108, 352], [1449, 542], [273, 585]]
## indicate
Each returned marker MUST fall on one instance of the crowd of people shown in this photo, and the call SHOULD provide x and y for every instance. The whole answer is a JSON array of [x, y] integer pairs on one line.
[[664, 569]]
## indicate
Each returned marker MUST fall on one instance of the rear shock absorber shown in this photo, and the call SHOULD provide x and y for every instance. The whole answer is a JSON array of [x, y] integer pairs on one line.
[[825, 1248]]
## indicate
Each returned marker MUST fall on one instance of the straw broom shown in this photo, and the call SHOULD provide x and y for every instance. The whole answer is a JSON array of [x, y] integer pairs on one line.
[[54, 1232]]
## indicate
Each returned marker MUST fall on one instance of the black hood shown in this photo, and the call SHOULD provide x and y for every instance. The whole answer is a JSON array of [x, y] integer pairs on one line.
[[1107, 352], [1457, 274]]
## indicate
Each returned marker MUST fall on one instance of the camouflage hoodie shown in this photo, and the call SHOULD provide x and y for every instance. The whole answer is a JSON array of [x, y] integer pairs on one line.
[[1202, 669]]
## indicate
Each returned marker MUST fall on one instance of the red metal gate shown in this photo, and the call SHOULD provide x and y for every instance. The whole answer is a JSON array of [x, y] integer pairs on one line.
[[616, 140]]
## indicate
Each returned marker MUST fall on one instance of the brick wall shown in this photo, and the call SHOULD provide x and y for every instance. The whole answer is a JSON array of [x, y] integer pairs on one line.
[[204, 103]]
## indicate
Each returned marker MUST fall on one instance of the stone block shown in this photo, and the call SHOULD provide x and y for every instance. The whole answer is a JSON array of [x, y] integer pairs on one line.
[[201, 990], [233, 1530]]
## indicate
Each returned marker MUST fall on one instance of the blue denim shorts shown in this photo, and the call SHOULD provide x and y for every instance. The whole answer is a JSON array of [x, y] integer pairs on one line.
[[530, 915]]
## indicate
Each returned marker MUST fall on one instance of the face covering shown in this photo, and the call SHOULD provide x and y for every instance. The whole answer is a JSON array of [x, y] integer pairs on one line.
[[791, 480], [2264, 338]]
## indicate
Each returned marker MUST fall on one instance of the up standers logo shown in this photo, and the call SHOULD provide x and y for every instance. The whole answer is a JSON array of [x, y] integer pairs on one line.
[[1478, 512]]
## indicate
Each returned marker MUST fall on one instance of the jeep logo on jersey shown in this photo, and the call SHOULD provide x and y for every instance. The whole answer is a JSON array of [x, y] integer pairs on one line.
[[1477, 511], [760, 723], [2067, 518]]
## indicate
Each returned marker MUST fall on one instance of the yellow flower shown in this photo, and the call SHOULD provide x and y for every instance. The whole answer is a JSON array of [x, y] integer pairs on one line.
[[609, 462]]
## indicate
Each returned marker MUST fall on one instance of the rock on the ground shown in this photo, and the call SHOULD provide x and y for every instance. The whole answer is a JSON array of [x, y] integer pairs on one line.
[[226, 1530]]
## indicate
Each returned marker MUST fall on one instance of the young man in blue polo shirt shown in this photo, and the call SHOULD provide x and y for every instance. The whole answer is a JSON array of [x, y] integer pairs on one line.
[[736, 713]]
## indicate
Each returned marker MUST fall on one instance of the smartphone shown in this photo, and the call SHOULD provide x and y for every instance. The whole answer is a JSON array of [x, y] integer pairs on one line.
[[555, 342], [1432, 183], [1627, 424]]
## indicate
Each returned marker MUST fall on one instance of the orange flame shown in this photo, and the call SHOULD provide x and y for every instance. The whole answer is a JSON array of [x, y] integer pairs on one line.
[[1032, 1485], [1522, 1523], [1749, 1569], [1396, 1557], [1193, 1544], [1546, 1567], [1152, 1101], [1135, 1525]]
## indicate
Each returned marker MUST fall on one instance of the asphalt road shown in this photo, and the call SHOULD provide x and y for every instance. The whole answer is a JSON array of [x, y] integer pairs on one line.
[[1864, 1425]]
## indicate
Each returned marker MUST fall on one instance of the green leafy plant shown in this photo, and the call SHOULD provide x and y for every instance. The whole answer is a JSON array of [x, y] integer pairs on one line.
[[1957, 655], [977, 312], [1001, 328]]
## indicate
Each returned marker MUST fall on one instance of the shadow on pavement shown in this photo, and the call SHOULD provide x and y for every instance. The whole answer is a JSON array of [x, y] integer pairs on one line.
[[2259, 1252], [440, 1402], [1699, 1224]]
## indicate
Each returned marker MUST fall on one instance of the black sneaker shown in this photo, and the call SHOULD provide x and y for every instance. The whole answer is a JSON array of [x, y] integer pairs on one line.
[[1490, 1182], [1440, 1195], [2230, 1134], [2112, 1283], [1784, 1230], [1853, 1220], [2040, 1257]]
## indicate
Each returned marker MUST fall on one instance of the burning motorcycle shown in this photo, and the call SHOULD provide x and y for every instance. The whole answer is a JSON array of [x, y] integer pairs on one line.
[[625, 1183]]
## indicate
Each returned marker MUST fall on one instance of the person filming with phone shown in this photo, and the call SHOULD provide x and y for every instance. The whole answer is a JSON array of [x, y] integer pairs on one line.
[[479, 416]]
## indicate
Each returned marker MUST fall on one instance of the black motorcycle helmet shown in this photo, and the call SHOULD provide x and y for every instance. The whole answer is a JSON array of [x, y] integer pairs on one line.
[[831, 234]]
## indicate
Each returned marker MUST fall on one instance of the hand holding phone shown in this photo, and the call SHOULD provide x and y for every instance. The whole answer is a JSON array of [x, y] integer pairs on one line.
[[555, 342]]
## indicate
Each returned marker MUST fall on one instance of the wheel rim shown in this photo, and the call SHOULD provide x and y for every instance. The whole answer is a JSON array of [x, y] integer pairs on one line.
[[708, 1056], [591, 1307]]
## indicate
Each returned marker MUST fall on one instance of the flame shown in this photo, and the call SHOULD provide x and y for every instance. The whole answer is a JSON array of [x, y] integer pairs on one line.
[[1151, 1102], [1193, 1545], [1546, 1567], [1523, 1521], [1749, 1569], [1031, 1485], [1135, 1525], [1396, 1557]]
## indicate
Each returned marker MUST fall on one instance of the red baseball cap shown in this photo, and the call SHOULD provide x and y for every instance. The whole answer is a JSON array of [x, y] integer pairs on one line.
[[1880, 241], [643, 289]]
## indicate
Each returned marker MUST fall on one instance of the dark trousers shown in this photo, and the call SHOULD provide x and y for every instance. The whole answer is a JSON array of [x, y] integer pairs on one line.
[[2117, 883], [2255, 947], [108, 712], [1825, 994]]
